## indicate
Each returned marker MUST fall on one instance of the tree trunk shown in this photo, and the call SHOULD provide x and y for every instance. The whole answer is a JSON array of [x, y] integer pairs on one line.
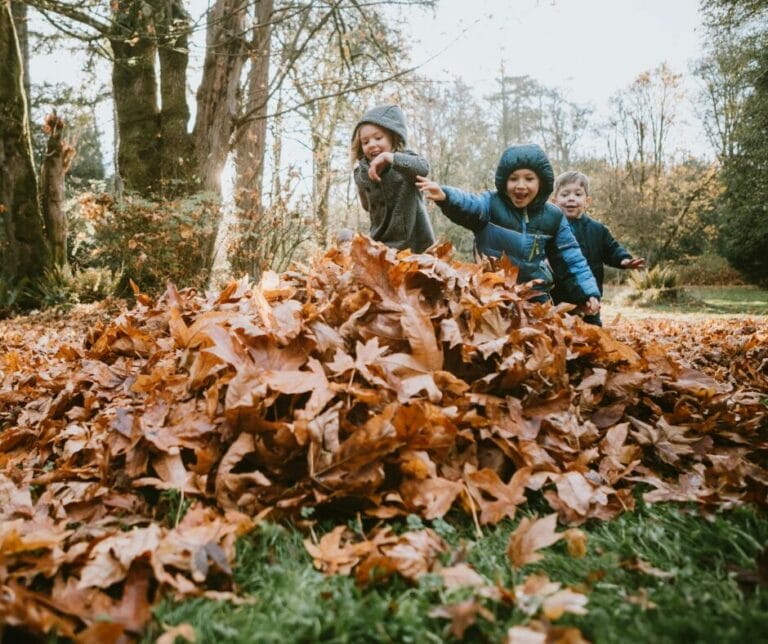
[[218, 94], [251, 145], [19, 11], [323, 126], [58, 155], [25, 251], [134, 88], [176, 150]]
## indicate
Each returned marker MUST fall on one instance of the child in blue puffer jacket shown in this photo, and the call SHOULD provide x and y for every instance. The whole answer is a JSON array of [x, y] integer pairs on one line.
[[516, 219]]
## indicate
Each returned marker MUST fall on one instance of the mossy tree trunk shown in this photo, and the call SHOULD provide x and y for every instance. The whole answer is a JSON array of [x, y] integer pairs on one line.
[[134, 88], [24, 249], [178, 173]]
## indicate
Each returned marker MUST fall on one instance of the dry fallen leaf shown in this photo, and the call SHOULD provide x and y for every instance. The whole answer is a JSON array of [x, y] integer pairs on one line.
[[530, 536], [462, 615]]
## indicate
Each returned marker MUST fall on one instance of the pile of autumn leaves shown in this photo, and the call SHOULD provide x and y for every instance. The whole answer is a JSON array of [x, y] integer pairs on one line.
[[369, 383]]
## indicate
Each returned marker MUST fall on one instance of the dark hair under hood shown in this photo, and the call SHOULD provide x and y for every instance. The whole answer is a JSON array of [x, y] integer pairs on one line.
[[530, 157]]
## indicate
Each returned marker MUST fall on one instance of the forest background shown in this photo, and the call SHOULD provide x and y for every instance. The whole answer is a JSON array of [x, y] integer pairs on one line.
[[81, 220]]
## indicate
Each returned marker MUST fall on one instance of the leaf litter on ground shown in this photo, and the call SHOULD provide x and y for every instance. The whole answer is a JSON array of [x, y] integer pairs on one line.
[[372, 382]]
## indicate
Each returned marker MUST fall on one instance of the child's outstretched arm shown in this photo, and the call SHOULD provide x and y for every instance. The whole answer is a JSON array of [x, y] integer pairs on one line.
[[409, 164], [463, 208], [616, 255]]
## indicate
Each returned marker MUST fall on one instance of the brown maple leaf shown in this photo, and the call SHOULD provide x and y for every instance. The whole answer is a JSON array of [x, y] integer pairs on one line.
[[530, 536]]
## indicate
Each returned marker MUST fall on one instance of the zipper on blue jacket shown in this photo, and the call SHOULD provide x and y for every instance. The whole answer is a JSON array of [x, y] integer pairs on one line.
[[525, 227], [534, 247]]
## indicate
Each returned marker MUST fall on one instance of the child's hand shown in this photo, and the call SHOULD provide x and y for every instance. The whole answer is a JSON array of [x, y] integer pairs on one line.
[[636, 262], [592, 306], [430, 189], [378, 164]]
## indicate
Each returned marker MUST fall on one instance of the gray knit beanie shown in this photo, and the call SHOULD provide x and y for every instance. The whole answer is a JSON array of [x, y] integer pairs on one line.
[[390, 117]]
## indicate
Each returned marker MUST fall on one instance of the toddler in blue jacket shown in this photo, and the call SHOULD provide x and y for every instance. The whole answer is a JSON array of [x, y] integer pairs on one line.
[[595, 240], [517, 219]]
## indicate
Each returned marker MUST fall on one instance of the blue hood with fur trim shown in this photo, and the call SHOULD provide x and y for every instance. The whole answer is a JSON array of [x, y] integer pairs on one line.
[[531, 157]]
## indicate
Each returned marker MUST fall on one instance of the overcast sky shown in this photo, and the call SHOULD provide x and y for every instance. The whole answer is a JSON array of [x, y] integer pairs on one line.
[[590, 47]]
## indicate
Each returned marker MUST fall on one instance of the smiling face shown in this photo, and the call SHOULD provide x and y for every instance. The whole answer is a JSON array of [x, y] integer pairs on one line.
[[572, 199], [522, 187], [374, 140]]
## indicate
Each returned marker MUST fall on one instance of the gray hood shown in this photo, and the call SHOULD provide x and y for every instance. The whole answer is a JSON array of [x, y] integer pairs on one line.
[[390, 117]]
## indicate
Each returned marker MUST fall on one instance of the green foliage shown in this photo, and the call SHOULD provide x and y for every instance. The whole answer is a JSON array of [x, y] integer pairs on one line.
[[149, 242], [95, 283], [744, 212], [706, 596], [55, 287], [65, 287], [707, 269], [744, 231], [11, 296]]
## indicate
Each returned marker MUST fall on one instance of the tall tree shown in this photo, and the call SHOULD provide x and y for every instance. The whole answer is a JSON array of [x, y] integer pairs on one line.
[[515, 106], [252, 136], [744, 214], [724, 73], [644, 114], [24, 246], [562, 123]]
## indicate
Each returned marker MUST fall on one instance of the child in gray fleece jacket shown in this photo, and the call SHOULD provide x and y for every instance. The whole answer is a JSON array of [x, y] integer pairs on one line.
[[385, 177]]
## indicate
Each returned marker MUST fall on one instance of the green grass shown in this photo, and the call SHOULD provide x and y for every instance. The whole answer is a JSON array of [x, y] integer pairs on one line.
[[703, 602], [732, 299], [705, 300]]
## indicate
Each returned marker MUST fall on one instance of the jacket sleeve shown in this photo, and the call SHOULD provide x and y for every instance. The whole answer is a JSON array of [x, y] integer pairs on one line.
[[613, 252], [358, 177], [570, 266], [466, 209], [410, 164]]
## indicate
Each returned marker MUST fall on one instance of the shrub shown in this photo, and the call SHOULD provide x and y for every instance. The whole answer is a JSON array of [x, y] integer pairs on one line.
[[94, 283], [55, 287], [657, 285], [659, 277], [65, 287], [269, 238], [148, 242], [707, 270]]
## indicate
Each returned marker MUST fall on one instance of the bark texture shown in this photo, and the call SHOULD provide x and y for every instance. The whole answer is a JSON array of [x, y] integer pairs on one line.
[[251, 145], [178, 173], [217, 96], [58, 156], [24, 248], [135, 92]]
